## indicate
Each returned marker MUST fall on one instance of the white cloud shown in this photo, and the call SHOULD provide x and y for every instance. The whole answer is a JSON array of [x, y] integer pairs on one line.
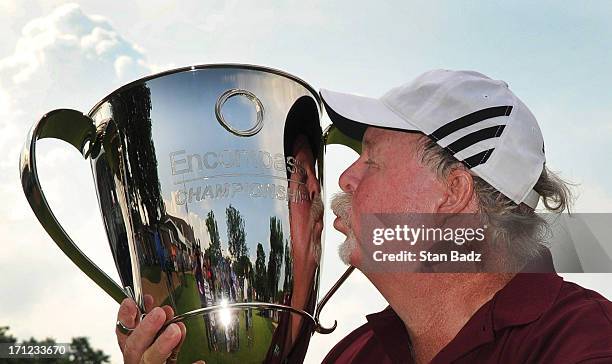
[[53, 47]]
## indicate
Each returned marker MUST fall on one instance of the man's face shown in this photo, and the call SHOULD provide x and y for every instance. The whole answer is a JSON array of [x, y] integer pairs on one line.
[[306, 215], [388, 177]]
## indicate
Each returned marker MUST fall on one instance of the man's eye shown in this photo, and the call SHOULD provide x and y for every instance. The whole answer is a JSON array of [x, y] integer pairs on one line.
[[370, 162]]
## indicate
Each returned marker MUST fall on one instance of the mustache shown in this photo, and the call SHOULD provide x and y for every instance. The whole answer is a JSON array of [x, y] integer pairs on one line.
[[341, 206]]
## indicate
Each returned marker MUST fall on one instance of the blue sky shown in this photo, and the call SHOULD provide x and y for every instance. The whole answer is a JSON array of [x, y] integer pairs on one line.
[[555, 55]]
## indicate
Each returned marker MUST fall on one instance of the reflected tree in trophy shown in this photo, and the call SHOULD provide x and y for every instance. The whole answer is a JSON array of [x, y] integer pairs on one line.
[[275, 258], [261, 275]]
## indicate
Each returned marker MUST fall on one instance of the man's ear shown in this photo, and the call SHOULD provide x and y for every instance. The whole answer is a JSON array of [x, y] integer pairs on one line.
[[459, 192]]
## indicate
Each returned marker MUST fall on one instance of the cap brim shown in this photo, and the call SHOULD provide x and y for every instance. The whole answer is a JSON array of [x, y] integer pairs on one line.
[[352, 114]]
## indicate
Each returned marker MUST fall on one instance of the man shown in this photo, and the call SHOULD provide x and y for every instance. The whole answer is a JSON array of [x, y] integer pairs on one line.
[[450, 143]]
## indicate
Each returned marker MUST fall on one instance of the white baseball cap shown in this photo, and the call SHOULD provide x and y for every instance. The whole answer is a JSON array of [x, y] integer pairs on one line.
[[477, 119]]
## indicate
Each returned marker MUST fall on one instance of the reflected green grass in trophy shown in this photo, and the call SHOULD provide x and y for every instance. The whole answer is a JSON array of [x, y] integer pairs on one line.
[[198, 343]]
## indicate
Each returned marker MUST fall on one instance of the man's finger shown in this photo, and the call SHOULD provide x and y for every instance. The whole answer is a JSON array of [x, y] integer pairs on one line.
[[149, 302], [163, 345], [128, 313], [143, 335], [183, 330], [169, 312]]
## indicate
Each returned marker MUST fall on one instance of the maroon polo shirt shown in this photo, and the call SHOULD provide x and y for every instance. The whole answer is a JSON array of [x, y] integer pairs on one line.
[[535, 318]]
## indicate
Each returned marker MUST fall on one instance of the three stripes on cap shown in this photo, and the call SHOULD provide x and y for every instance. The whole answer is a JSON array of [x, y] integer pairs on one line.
[[474, 137]]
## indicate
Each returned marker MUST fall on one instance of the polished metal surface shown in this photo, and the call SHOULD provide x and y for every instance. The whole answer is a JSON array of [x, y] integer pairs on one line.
[[209, 180]]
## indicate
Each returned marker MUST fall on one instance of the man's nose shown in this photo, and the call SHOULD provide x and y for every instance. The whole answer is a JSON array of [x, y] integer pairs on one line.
[[349, 180]]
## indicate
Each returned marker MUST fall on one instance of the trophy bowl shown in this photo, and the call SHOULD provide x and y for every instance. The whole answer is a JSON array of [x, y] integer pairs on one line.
[[209, 180]]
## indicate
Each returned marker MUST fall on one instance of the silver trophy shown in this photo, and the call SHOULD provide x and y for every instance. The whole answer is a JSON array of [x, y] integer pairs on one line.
[[209, 180]]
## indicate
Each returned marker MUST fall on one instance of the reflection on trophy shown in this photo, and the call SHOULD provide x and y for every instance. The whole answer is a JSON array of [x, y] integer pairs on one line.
[[209, 180]]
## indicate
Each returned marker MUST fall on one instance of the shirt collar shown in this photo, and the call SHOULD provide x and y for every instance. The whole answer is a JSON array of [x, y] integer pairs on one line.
[[524, 299], [391, 334]]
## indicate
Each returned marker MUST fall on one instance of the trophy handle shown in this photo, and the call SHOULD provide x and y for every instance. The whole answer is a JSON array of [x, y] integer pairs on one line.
[[327, 330], [77, 130], [333, 135]]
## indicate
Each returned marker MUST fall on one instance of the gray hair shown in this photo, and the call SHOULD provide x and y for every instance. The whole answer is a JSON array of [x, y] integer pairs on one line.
[[519, 227]]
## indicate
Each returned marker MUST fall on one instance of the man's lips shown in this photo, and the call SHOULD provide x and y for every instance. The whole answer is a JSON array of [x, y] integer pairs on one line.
[[340, 226]]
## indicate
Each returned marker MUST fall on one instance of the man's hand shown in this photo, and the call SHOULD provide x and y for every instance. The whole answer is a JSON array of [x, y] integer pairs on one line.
[[142, 346]]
